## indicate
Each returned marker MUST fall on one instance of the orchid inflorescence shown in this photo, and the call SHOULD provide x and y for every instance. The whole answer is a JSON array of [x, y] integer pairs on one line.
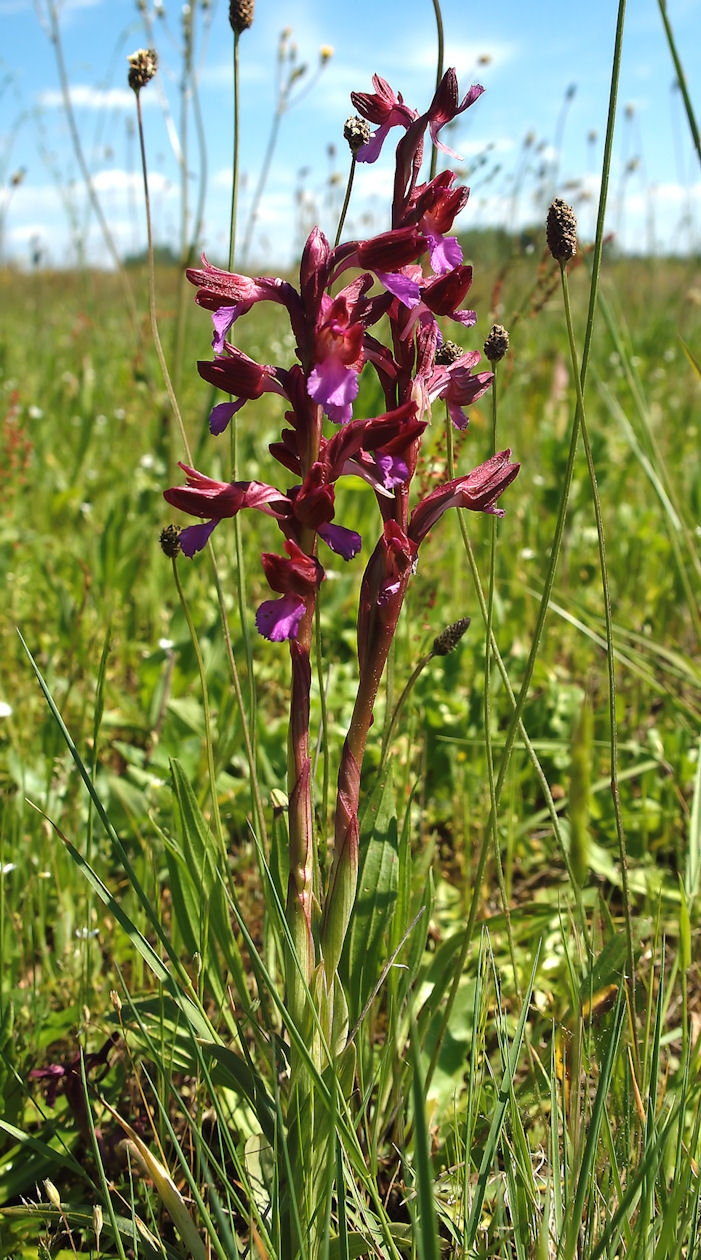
[[332, 327]]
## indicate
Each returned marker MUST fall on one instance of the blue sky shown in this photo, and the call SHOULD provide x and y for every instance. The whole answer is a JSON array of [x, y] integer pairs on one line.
[[522, 140]]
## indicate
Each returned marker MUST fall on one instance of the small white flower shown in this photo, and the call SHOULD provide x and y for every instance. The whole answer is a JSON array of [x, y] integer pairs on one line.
[[165, 644], [6, 867], [147, 461], [5, 709], [34, 412]]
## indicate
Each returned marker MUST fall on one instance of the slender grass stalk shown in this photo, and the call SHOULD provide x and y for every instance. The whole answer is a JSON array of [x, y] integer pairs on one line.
[[557, 539], [611, 663], [55, 37], [187, 19], [235, 155], [493, 810], [100, 1167], [346, 199], [289, 72], [208, 732], [258, 810], [439, 74], [681, 77], [233, 436]]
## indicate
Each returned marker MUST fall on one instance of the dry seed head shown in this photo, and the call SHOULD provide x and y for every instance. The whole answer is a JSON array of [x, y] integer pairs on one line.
[[449, 638], [170, 541], [561, 231], [448, 353], [497, 343], [143, 64], [357, 132], [241, 15]]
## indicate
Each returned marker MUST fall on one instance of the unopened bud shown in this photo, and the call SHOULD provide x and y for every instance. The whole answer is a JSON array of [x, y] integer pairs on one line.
[[449, 638], [142, 67], [97, 1222], [52, 1194], [448, 353], [115, 1000], [561, 231], [357, 132], [241, 15], [170, 541], [497, 343]]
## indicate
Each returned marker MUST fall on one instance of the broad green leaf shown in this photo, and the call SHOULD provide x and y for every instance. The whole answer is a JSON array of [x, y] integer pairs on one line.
[[375, 900]]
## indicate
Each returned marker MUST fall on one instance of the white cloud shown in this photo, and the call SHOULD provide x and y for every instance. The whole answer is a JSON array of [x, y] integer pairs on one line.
[[465, 57], [83, 96], [116, 181]]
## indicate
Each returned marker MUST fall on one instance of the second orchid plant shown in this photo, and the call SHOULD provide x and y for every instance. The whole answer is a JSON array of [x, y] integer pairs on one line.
[[402, 282]]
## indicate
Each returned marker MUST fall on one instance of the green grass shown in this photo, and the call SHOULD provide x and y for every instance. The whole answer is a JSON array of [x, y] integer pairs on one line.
[[514, 1154]]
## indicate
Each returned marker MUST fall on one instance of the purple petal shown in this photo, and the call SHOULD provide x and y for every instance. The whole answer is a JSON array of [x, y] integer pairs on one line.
[[457, 415], [222, 319], [195, 537], [345, 542], [221, 415], [371, 151], [394, 470], [335, 386], [466, 318], [278, 619], [400, 287], [445, 253]]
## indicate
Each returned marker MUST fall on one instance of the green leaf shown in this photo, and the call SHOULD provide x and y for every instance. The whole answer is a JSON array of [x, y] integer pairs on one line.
[[376, 896], [208, 912], [231, 1071]]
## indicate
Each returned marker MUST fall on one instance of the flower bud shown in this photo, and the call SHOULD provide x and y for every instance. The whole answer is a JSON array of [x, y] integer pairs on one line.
[[52, 1194], [391, 250], [561, 231]]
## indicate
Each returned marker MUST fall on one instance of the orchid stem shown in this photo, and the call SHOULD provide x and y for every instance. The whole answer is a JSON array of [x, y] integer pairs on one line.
[[324, 724]]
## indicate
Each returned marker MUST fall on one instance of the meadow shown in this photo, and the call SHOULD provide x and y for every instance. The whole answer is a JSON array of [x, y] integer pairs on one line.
[[522, 993]]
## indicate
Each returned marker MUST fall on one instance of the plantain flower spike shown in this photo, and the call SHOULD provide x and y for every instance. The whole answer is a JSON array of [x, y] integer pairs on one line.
[[561, 231], [143, 64], [497, 343], [241, 15], [449, 638]]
